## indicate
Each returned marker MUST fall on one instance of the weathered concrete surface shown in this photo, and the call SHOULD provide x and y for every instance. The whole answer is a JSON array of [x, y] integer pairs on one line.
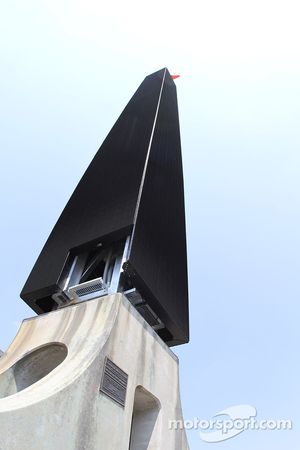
[[63, 408]]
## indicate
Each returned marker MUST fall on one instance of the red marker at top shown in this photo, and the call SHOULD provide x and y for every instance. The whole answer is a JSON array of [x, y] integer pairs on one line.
[[175, 76]]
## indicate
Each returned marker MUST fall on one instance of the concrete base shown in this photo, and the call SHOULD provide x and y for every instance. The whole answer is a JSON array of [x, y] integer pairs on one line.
[[58, 390]]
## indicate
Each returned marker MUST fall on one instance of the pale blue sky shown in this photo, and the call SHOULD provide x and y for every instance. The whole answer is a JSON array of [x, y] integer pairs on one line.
[[67, 71]]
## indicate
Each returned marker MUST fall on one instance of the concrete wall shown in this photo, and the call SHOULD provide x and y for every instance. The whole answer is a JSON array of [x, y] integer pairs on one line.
[[50, 380]]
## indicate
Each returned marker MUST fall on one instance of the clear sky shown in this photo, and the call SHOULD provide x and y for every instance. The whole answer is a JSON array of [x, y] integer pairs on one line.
[[67, 70]]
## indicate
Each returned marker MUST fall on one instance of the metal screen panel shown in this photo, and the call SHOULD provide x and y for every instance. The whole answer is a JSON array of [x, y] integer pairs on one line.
[[114, 382]]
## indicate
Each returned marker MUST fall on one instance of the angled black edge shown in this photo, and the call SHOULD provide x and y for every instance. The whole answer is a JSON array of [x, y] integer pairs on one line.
[[158, 259], [130, 188]]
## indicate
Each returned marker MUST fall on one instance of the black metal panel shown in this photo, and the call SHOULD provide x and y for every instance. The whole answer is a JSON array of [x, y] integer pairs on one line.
[[103, 204], [134, 185], [157, 259]]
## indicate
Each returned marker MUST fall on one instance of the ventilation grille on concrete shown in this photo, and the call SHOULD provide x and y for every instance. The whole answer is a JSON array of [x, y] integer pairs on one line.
[[89, 289], [114, 382]]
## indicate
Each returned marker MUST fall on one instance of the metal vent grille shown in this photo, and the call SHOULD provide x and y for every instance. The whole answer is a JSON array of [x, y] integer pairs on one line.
[[114, 382], [134, 296], [144, 309], [147, 313], [89, 289]]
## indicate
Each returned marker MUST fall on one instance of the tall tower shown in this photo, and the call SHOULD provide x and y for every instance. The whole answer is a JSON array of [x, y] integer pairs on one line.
[[110, 289]]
